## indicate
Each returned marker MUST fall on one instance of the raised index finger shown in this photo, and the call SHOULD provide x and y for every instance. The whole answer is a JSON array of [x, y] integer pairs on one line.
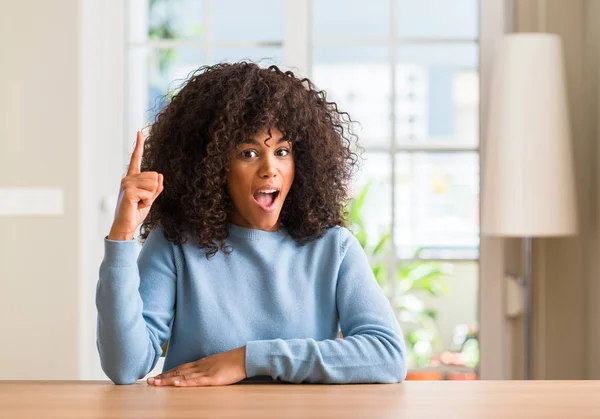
[[135, 165]]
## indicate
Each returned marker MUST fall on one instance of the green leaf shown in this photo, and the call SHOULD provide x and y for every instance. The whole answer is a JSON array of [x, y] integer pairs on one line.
[[404, 284], [420, 334], [470, 352], [197, 30], [361, 235], [382, 243], [423, 276], [418, 252], [357, 204], [430, 314], [430, 278], [380, 272], [433, 285], [405, 268]]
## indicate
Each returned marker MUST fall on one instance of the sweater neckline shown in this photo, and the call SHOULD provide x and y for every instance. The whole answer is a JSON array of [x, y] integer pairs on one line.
[[253, 234]]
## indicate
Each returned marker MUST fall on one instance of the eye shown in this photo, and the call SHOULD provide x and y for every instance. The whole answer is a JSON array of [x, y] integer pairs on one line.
[[282, 152], [249, 154]]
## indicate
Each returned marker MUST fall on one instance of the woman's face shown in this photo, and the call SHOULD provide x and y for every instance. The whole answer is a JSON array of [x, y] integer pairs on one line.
[[260, 177]]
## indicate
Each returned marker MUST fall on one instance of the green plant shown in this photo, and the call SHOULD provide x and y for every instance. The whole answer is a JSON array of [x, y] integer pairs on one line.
[[413, 279], [376, 253], [162, 30], [163, 27]]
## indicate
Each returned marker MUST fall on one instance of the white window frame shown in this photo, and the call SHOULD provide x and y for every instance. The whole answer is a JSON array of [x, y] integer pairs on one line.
[[107, 124], [101, 133]]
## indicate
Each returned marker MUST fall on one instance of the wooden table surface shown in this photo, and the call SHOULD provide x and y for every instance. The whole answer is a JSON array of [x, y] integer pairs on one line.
[[414, 400]]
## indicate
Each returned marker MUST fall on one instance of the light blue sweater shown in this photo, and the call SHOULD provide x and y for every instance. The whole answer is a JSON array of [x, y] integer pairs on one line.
[[285, 302]]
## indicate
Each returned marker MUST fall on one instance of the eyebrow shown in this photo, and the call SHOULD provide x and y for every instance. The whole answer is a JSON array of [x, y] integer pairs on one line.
[[253, 141]]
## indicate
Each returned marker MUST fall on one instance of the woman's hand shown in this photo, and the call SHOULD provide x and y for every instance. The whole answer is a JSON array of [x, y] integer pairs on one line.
[[215, 370], [138, 192]]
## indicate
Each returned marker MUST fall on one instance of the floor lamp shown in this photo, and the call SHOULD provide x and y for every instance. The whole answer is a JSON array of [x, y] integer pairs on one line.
[[528, 182]]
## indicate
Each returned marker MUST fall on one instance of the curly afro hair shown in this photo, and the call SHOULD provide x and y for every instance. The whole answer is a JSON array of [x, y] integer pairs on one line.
[[193, 137]]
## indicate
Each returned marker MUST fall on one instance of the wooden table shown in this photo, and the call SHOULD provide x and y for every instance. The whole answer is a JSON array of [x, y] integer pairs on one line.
[[414, 400]]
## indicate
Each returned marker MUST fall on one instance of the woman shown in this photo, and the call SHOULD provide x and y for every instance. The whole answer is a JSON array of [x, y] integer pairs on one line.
[[246, 269]]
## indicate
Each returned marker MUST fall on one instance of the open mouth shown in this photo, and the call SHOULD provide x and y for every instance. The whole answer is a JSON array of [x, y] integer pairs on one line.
[[266, 199]]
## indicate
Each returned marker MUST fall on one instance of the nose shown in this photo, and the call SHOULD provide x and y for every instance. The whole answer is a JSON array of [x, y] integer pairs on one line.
[[267, 169]]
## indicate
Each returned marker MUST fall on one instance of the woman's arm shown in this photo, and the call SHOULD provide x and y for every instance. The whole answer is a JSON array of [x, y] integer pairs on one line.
[[372, 351], [135, 301]]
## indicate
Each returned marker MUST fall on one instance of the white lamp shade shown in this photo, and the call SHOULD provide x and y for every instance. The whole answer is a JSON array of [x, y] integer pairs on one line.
[[528, 180]]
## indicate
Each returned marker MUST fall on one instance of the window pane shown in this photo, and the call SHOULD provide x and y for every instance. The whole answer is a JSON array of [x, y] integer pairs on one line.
[[264, 56], [359, 80], [437, 204], [377, 209], [136, 91], [351, 19], [446, 292], [437, 94], [182, 19], [169, 69], [248, 21], [438, 18]]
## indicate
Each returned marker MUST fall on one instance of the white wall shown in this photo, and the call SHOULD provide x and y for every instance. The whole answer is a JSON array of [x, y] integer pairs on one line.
[[39, 147], [61, 125]]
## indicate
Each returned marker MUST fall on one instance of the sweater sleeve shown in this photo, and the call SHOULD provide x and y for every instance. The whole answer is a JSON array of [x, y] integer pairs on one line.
[[372, 351], [135, 301]]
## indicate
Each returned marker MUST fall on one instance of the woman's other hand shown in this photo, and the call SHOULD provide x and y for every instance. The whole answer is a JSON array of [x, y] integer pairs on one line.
[[215, 370]]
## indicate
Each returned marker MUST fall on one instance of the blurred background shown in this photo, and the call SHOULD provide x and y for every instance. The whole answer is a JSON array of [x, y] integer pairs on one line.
[[80, 77]]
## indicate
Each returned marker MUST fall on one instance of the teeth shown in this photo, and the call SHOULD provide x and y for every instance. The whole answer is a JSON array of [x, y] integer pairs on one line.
[[268, 191]]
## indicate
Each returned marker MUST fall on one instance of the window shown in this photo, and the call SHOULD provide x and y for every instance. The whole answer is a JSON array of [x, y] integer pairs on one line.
[[167, 40], [408, 72]]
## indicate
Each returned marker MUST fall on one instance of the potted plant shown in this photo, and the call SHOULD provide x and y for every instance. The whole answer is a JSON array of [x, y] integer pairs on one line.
[[414, 278]]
